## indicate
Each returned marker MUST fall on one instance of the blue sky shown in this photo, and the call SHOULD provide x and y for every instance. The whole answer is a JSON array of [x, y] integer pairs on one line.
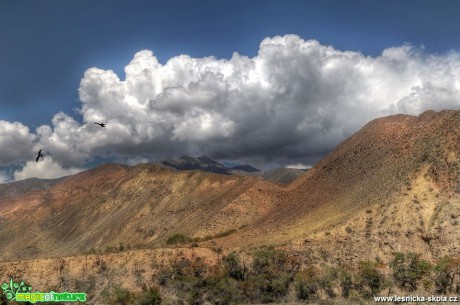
[[47, 46]]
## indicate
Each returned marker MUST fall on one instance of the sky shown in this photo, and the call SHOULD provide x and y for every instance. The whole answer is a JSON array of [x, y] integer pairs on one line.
[[259, 82]]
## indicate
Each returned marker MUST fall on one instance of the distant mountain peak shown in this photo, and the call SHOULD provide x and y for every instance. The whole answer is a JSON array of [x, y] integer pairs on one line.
[[246, 168], [208, 160], [202, 163]]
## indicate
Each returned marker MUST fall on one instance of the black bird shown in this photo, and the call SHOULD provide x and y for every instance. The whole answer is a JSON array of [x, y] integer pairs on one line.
[[100, 124], [39, 155]]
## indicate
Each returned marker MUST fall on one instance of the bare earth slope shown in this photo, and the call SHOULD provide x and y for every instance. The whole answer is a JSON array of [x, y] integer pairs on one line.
[[144, 204], [15, 189], [393, 185]]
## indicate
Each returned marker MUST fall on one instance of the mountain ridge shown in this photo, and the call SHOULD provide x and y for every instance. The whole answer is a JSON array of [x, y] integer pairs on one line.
[[361, 193]]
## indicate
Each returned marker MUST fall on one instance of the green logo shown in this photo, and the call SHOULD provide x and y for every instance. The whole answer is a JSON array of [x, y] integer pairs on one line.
[[20, 292], [13, 288]]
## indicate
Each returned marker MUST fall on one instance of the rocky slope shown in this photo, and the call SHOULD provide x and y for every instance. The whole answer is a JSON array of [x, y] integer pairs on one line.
[[145, 204], [393, 186], [15, 189]]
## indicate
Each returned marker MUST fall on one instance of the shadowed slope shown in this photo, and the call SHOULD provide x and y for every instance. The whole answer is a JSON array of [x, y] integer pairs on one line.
[[14, 189], [392, 168], [142, 205]]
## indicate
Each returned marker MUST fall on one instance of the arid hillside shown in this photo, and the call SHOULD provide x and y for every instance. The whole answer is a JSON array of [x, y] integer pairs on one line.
[[15, 189], [393, 185], [142, 205]]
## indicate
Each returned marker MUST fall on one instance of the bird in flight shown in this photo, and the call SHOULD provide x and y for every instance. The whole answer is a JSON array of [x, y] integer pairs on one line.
[[100, 124], [39, 155]]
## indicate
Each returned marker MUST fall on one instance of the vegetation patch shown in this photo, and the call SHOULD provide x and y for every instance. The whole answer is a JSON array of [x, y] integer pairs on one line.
[[178, 239]]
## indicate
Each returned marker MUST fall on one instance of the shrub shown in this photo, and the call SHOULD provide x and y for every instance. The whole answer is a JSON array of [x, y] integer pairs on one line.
[[306, 283], [345, 282], [119, 296], [272, 272], [234, 268], [370, 279], [163, 276], [444, 273], [150, 296], [269, 259], [262, 259], [226, 233], [224, 291], [178, 239], [327, 281], [267, 287], [408, 270]]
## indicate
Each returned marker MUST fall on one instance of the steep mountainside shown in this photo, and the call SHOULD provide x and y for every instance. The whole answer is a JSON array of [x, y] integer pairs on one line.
[[393, 186], [142, 205], [14, 189]]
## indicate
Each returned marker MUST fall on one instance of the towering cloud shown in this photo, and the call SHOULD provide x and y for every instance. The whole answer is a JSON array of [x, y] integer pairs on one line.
[[46, 169], [16, 142], [291, 103]]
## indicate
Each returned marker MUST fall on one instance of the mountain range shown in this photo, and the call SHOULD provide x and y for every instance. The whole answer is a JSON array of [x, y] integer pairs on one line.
[[281, 175], [393, 186]]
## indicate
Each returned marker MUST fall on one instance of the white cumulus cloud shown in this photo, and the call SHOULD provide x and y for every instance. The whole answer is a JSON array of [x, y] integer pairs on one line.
[[290, 104], [16, 142], [46, 168]]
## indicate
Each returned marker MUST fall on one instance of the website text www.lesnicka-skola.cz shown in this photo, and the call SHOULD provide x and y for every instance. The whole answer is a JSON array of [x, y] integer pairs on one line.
[[416, 298]]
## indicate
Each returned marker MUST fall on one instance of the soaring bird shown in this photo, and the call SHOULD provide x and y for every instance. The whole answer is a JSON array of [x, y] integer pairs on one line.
[[100, 124], [39, 155]]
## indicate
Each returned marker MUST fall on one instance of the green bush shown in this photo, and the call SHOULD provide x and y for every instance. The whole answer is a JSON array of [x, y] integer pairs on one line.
[[262, 259], [150, 296], [164, 276], [178, 239], [272, 260], [327, 281], [444, 273], [408, 270], [226, 233], [233, 266], [306, 284], [370, 279], [224, 291], [119, 296], [345, 282], [266, 288], [269, 277]]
